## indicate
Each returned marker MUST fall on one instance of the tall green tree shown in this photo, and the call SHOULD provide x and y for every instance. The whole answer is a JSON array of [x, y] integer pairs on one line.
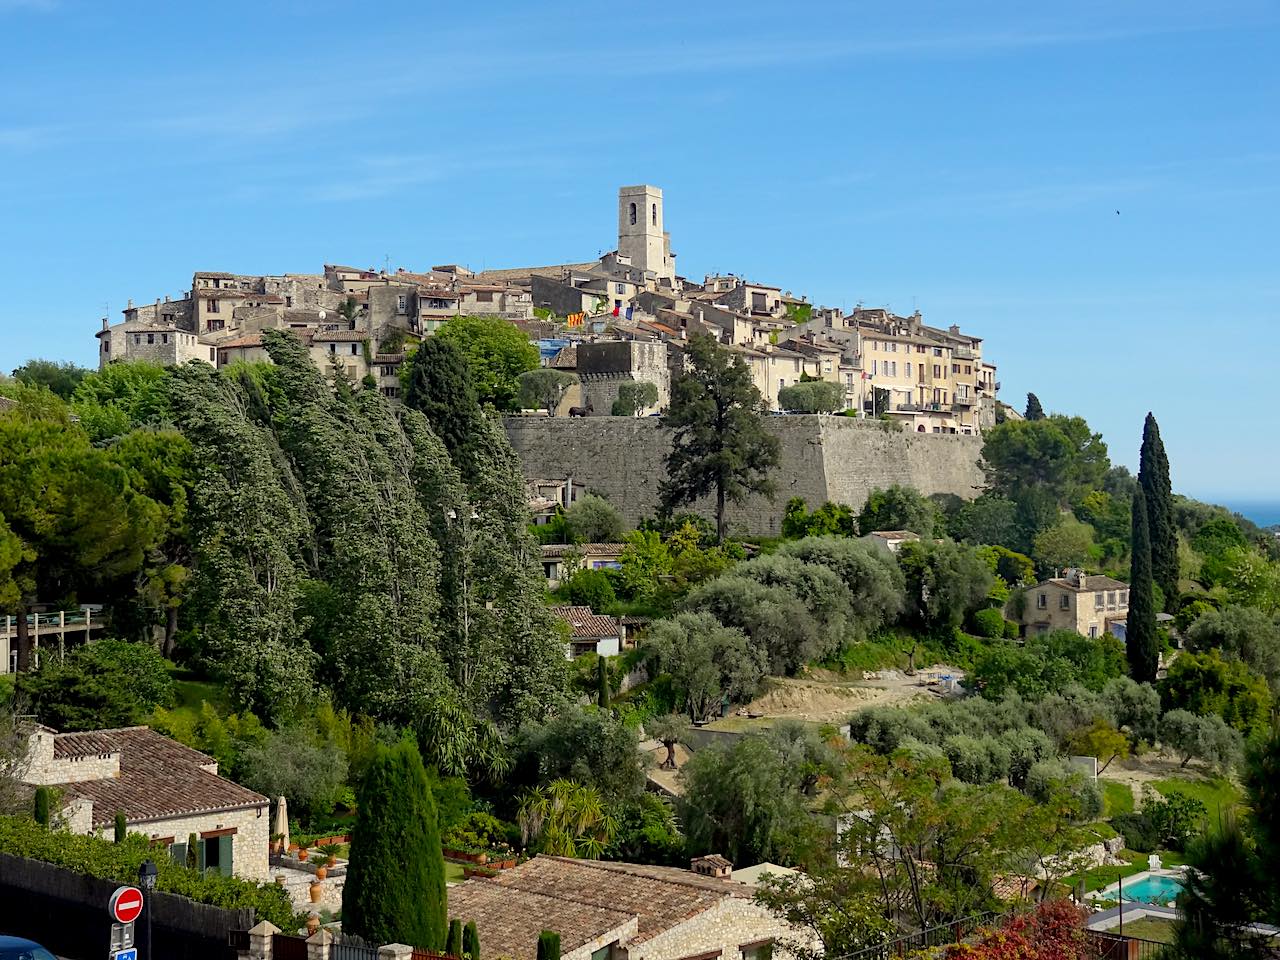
[[471, 941], [61, 378], [1153, 478], [898, 508], [497, 352], [1034, 410], [1142, 645], [1231, 882], [438, 384], [395, 889], [720, 446]]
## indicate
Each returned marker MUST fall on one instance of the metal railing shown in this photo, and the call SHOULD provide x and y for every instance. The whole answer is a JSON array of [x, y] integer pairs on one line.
[[1111, 946], [943, 935]]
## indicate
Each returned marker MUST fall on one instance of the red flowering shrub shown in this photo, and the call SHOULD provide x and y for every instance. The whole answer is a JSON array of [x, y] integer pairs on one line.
[[1053, 931]]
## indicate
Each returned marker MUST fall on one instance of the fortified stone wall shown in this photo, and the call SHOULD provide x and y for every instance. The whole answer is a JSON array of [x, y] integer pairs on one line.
[[822, 458]]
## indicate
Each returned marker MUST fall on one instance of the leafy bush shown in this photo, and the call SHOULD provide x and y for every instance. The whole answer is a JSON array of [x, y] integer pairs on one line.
[[120, 861], [109, 683], [989, 623], [588, 588], [1138, 832]]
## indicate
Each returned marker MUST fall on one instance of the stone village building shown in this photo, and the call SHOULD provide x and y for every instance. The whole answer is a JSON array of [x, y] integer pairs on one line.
[[165, 790], [1087, 605]]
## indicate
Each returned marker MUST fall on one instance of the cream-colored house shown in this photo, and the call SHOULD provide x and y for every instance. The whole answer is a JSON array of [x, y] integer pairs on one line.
[[1076, 601], [165, 790]]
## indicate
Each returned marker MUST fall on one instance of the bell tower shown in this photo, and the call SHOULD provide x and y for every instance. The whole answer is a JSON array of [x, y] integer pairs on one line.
[[640, 234]]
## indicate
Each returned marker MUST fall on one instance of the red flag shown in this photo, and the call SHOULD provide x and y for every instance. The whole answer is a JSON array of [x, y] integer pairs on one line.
[[615, 311]]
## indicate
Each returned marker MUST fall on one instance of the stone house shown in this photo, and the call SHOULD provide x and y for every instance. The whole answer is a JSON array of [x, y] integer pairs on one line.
[[619, 911], [164, 789], [604, 366], [150, 340], [591, 632], [890, 540], [1086, 604], [561, 560]]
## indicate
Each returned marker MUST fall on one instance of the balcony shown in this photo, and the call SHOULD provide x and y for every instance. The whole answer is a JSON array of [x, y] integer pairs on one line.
[[962, 353], [964, 402]]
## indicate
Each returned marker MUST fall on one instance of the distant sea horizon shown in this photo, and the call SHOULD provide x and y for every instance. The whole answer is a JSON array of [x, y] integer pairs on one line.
[[1265, 513]]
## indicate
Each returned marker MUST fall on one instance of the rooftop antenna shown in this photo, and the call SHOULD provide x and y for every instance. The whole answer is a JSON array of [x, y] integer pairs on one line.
[[386, 263]]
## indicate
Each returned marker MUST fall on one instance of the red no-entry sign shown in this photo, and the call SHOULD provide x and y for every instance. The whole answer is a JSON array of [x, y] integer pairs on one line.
[[125, 904]]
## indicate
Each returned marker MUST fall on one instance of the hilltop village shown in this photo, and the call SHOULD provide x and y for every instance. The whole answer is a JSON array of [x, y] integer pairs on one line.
[[620, 319]]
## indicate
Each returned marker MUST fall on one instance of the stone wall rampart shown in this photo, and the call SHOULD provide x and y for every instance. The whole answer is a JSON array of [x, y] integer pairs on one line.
[[822, 458]]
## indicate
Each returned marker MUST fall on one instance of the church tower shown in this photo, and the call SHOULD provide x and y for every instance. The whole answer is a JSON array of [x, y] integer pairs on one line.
[[640, 234]]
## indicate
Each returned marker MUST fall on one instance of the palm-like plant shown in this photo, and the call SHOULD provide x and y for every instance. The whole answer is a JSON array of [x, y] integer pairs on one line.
[[567, 819]]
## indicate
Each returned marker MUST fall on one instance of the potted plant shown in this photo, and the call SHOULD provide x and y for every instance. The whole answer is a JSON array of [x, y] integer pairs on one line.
[[330, 853], [302, 851], [321, 870], [277, 843]]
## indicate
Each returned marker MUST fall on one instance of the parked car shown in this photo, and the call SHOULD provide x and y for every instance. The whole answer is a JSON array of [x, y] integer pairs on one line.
[[15, 948]]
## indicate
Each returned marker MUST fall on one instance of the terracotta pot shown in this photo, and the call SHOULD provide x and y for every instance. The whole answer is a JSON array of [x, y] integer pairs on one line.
[[313, 924], [321, 872], [279, 879], [315, 892], [303, 853], [331, 862]]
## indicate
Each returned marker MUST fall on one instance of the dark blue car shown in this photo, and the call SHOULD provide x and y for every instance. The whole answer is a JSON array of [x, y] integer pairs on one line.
[[15, 948]]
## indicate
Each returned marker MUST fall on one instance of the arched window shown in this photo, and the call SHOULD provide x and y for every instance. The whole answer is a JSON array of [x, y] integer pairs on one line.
[[633, 214], [654, 211]]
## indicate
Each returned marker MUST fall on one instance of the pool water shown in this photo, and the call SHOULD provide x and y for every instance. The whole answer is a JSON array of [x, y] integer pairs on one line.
[[1152, 889]]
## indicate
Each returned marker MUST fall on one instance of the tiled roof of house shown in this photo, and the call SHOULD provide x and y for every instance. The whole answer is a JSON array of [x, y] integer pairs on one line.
[[159, 777], [214, 275], [220, 293], [1091, 584], [565, 359], [509, 921], [552, 551], [340, 336], [252, 340], [583, 900], [586, 625]]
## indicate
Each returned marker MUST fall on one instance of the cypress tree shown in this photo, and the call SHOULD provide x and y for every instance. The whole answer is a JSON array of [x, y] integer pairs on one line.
[[602, 683], [1034, 410], [41, 810], [193, 851], [1141, 644], [548, 945], [395, 889], [471, 941], [1153, 478], [122, 828], [453, 943]]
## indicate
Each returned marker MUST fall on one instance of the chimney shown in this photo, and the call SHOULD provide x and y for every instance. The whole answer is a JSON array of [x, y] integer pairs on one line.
[[105, 323], [955, 329], [129, 305], [712, 865], [1081, 579]]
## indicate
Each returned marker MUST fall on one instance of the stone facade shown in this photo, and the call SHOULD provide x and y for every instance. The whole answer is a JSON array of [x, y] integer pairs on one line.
[[729, 926], [604, 366], [822, 458], [250, 843], [1084, 604]]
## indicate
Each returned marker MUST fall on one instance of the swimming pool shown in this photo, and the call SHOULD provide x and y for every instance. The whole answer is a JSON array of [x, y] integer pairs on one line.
[[1151, 888]]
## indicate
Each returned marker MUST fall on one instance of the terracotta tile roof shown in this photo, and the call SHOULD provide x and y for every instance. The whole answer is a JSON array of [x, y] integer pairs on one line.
[[509, 920], [159, 777], [207, 293], [566, 359], [340, 336], [551, 551], [586, 625], [660, 897], [1091, 584], [252, 340], [214, 275]]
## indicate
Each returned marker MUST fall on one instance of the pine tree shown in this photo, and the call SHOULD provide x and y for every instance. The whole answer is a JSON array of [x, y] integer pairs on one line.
[[602, 683], [395, 889], [1141, 643], [1153, 477], [1034, 410], [121, 827], [453, 943], [719, 444], [471, 941], [548, 945]]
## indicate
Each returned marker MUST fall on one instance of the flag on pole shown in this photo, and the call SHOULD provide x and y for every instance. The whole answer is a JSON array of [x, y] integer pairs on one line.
[[615, 311], [629, 312]]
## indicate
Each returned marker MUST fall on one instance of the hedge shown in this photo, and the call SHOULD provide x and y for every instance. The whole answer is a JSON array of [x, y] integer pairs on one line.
[[120, 861]]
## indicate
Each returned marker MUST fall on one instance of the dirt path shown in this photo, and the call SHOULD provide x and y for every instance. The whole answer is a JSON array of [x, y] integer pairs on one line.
[[1139, 771], [822, 696]]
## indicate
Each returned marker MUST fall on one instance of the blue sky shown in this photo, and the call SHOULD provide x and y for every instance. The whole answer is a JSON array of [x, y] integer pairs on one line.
[[966, 158]]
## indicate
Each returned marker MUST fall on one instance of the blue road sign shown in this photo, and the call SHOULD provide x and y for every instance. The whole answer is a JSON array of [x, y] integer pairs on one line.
[[130, 954]]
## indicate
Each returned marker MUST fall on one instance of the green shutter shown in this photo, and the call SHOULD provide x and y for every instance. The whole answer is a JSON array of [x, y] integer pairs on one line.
[[224, 854], [178, 851], [200, 860]]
